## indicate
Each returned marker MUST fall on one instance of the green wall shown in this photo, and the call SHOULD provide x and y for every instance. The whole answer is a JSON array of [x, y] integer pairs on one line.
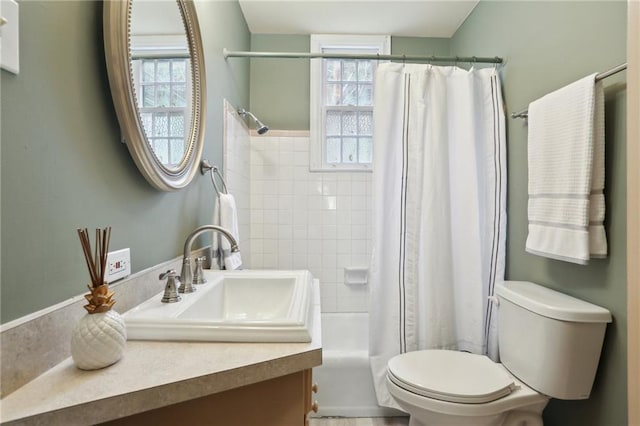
[[280, 88], [547, 45], [64, 167]]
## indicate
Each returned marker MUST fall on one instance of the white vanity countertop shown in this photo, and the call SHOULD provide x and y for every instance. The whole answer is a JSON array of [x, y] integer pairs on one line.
[[155, 374]]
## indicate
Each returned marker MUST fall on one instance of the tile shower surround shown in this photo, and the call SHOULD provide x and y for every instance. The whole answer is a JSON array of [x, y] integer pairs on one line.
[[320, 221]]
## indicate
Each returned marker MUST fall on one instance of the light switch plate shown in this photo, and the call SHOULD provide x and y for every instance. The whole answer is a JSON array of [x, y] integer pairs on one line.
[[9, 36], [118, 265]]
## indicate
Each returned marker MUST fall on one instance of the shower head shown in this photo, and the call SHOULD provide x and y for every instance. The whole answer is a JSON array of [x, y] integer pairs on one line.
[[261, 128]]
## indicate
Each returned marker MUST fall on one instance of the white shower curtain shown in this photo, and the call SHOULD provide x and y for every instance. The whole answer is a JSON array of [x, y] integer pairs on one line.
[[439, 185]]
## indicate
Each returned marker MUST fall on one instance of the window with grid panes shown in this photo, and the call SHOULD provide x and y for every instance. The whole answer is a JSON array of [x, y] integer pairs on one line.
[[342, 103], [162, 102]]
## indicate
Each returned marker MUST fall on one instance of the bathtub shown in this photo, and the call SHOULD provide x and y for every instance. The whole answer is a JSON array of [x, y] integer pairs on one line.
[[345, 383]]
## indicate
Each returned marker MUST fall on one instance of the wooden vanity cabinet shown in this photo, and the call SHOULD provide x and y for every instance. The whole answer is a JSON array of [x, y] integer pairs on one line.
[[283, 401]]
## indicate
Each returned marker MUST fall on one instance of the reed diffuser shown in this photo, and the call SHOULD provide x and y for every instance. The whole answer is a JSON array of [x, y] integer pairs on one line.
[[99, 338]]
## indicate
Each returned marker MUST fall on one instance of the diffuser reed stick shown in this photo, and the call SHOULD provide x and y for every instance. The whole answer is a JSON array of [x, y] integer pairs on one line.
[[100, 299], [97, 262]]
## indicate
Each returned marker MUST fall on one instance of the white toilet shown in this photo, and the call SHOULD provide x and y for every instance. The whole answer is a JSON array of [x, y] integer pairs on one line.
[[550, 345]]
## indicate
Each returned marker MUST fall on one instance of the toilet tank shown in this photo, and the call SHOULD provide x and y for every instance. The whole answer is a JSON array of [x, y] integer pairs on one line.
[[549, 340]]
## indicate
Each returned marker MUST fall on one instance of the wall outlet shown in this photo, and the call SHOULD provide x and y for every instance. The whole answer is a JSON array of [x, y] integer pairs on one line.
[[118, 265]]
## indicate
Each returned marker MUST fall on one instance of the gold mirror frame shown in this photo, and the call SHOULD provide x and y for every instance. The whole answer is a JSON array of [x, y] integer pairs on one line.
[[117, 14]]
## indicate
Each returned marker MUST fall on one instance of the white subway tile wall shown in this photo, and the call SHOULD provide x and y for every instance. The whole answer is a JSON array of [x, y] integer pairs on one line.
[[319, 221], [235, 157], [291, 218]]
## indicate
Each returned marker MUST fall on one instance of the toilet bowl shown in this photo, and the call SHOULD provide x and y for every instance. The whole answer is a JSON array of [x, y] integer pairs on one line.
[[447, 388], [557, 357]]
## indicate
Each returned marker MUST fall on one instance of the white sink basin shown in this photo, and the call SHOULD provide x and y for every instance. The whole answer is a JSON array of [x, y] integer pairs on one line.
[[233, 306]]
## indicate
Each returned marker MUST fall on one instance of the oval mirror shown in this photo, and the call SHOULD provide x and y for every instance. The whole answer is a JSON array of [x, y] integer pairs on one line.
[[156, 72]]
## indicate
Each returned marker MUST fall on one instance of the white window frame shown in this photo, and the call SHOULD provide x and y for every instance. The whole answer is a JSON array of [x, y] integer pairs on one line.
[[320, 43]]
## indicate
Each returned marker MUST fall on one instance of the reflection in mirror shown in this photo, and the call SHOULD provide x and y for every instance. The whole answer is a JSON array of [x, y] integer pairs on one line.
[[161, 76], [155, 63]]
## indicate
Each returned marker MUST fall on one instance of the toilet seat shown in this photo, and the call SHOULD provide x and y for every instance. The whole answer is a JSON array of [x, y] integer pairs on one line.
[[451, 376]]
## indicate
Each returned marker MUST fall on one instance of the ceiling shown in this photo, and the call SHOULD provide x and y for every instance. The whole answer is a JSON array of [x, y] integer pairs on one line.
[[417, 18]]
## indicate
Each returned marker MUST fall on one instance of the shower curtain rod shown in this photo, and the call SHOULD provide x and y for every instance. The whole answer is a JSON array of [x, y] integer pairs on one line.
[[615, 70], [305, 55]]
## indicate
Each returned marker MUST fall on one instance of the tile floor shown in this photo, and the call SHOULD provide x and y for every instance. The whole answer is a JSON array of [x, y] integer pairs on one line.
[[360, 421]]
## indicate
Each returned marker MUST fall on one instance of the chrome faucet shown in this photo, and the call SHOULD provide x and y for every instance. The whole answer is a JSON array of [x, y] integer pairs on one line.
[[186, 277]]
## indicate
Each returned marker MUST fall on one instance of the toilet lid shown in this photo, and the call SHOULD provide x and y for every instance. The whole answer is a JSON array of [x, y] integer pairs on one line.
[[451, 376]]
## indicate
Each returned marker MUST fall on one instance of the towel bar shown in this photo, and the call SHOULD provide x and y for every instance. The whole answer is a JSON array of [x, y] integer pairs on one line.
[[525, 113], [206, 167]]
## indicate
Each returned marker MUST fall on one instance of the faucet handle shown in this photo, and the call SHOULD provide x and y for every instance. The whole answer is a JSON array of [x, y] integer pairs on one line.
[[171, 273], [170, 290], [198, 275]]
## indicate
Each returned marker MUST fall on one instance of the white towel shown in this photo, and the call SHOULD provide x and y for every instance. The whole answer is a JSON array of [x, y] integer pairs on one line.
[[225, 215], [566, 173], [216, 259]]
